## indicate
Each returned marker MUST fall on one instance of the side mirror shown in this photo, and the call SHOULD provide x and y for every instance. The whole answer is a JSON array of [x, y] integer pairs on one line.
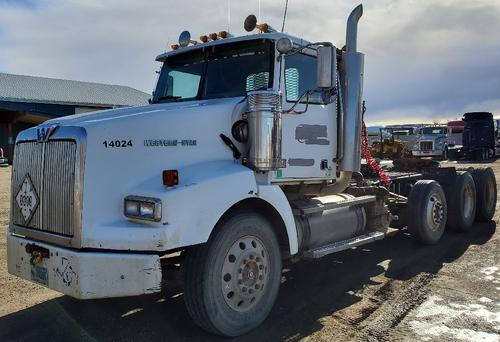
[[327, 67]]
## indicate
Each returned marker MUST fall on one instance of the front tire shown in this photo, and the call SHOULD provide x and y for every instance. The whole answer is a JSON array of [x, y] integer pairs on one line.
[[233, 280]]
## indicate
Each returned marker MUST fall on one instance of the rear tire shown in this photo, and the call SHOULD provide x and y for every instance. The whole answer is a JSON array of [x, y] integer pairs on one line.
[[427, 211], [486, 193], [462, 202], [232, 281]]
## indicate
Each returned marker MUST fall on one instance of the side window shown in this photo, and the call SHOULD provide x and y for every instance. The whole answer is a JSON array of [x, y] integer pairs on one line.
[[300, 76], [183, 84]]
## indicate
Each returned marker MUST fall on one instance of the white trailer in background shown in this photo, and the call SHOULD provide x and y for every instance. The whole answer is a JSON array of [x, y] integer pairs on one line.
[[249, 154]]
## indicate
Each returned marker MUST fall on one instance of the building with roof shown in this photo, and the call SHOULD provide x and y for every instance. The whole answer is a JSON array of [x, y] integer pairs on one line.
[[26, 101]]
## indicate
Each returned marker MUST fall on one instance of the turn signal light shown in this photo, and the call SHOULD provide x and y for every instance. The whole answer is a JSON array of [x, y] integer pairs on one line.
[[203, 39], [170, 177], [174, 46]]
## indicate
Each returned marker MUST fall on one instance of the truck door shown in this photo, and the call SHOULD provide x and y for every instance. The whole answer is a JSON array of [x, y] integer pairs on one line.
[[309, 140]]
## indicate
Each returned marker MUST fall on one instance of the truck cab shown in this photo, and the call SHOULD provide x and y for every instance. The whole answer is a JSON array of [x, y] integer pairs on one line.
[[432, 141], [248, 154]]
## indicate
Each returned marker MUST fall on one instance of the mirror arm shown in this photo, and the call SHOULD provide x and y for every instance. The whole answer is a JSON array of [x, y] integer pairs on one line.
[[303, 47], [306, 94]]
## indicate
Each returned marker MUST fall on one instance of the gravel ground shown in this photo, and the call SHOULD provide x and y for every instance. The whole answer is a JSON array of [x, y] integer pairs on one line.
[[392, 290]]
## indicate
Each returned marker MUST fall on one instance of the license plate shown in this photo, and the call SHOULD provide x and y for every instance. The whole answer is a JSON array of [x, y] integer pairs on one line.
[[40, 275]]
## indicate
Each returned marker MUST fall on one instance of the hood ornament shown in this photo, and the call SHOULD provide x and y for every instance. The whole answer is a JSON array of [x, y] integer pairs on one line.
[[44, 133]]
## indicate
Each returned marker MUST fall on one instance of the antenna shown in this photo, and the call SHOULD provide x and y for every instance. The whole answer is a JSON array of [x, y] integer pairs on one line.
[[284, 16], [228, 15], [260, 18]]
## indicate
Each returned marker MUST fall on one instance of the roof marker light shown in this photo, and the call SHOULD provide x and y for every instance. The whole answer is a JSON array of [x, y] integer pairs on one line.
[[225, 34], [203, 39], [213, 36], [174, 46]]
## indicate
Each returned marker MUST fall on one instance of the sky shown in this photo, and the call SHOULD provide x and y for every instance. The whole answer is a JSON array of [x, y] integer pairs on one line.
[[426, 60]]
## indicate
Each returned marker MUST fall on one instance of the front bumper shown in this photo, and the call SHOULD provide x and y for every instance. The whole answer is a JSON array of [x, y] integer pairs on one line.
[[427, 153], [86, 275]]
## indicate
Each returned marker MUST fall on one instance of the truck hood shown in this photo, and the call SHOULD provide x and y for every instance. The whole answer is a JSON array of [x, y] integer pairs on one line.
[[430, 137], [111, 116]]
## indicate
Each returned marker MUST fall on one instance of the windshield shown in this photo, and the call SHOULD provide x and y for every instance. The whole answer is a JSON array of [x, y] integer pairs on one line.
[[433, 130], [226, 70]]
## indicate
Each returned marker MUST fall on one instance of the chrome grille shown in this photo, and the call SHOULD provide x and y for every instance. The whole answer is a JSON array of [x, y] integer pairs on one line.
[[51, 168], [426, 145]]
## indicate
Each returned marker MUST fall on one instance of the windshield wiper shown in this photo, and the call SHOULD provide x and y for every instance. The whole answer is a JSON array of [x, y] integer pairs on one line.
[[168, 97]]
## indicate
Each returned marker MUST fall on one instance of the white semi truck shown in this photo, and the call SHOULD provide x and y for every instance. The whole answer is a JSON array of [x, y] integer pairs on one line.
[[248, 155]]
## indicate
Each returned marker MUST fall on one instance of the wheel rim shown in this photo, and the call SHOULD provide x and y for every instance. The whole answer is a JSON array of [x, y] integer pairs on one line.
[[468, 201], [434, 212], [245, 273]]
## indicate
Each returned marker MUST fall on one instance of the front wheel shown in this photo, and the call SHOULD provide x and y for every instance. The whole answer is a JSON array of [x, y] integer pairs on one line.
[[232, 281]]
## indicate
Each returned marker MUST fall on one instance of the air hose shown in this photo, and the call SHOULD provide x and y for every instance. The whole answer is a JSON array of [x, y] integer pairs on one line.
[[372, 163]]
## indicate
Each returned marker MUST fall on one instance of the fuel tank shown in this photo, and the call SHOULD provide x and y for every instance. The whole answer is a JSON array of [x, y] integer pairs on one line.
[[332, 225]]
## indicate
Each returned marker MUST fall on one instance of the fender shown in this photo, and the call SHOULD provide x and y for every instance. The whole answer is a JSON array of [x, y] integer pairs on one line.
[[211, 193], [275, 197], [190, 210]]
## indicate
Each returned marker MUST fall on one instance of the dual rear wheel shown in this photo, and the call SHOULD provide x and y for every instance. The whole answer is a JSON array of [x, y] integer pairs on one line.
[[470, 197]]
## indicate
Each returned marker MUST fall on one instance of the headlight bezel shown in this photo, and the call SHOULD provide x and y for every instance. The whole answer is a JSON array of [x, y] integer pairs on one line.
[[142, 208]]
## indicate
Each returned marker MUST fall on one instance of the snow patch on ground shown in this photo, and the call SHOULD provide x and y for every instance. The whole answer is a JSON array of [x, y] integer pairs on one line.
[[435, 317], [485, 300], [431, 329], [490, 270], [492, 274]]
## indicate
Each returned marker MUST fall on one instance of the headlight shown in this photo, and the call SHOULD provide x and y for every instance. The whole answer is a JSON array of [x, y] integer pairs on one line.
[[142, 208]]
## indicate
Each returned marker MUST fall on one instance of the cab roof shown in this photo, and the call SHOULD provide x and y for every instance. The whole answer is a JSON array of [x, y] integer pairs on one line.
[[271, 36]]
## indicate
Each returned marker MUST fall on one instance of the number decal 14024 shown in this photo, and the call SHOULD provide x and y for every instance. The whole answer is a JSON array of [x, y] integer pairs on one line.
[[117, 143]]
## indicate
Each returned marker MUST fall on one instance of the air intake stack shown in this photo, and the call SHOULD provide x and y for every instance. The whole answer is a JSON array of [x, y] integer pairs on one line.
[[352, 88]]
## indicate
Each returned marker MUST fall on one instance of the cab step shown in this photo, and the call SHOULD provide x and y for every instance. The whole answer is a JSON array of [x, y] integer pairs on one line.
[[343, 245], [308, 208]]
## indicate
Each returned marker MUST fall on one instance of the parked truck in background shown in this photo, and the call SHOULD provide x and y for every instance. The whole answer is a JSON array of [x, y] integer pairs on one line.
[[480, 140], [432, 141], [248, 155]]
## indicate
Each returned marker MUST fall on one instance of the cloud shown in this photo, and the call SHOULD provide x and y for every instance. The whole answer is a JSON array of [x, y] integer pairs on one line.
[[424, 59]]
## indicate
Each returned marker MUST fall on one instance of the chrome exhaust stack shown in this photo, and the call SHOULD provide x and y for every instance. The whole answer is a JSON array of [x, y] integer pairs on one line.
[[352, 69]]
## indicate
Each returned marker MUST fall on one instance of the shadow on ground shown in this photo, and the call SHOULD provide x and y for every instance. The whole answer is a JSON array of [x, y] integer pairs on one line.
[[311, 290]]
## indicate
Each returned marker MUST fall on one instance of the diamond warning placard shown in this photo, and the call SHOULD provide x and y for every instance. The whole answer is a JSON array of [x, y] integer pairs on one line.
[[27, 199]]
